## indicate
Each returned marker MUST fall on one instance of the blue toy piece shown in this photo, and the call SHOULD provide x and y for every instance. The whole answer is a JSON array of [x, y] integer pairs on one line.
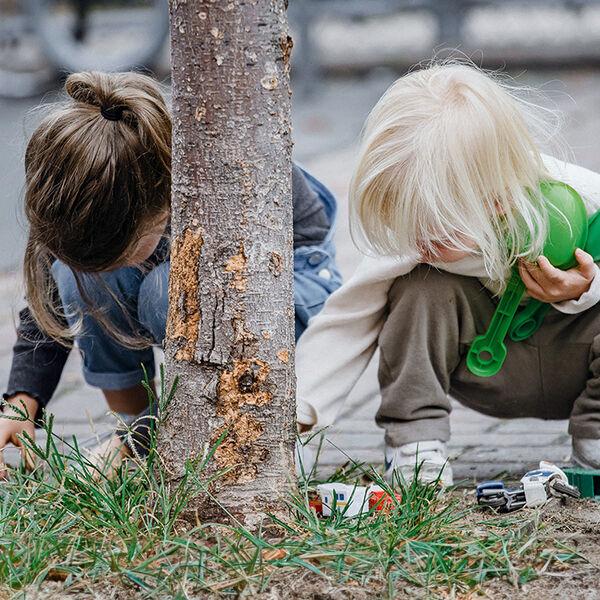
[[536, 488], [495, 495]]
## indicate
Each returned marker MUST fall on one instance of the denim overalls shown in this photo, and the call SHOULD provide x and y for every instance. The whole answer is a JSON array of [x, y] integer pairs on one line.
[[143, 297]]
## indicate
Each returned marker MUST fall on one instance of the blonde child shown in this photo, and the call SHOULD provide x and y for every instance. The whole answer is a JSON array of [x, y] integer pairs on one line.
[[448, 171], [98, 180]]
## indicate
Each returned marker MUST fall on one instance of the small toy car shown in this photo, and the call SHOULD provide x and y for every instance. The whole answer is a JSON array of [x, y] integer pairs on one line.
[[548, 480], [535, 489], [382, 501], [495, 495], [350, 501]]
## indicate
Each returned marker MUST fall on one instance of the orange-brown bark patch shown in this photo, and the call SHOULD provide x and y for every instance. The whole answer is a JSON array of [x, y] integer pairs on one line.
[[244, 384], [283, 356], [183, 291], [241, 386], [287, 43], [237, 265], [236, 450]]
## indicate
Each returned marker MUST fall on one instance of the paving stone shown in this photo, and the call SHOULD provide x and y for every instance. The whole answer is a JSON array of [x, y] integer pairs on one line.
[[469, 474], [518, 454], [528, 426], [500, 440]]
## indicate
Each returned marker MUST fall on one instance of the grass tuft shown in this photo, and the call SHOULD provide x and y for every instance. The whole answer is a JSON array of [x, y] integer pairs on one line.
[[64, 525]]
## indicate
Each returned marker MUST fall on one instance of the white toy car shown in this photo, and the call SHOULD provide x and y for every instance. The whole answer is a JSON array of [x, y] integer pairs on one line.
[[544, 482]]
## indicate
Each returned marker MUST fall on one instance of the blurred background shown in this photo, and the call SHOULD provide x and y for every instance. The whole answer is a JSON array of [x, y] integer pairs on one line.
[[346, 53]]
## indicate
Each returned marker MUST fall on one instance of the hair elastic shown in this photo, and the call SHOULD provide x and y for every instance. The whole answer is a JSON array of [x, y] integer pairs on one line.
[[113, 113]]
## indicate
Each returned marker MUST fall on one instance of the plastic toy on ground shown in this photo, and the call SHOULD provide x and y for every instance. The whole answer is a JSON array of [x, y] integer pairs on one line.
[[352, 500], [586, 480], [544, 482], [495, 495], [381, 501], [536, 488], [348, 500]]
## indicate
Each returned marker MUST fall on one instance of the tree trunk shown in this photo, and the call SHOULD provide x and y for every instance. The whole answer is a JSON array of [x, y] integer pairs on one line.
[[230, 331]]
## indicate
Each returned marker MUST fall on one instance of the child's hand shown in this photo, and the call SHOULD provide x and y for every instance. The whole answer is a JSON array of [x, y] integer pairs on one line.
[[10, 429], [107, 458], [549, 284]]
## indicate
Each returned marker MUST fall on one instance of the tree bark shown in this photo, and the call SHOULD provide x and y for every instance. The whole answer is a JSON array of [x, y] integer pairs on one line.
[[230, 331]]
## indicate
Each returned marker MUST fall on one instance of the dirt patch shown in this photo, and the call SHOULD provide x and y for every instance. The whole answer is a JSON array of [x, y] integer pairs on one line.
[[576, 524]]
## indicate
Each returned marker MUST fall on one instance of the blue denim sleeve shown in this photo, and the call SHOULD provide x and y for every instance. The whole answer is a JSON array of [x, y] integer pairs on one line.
[[316, 274]]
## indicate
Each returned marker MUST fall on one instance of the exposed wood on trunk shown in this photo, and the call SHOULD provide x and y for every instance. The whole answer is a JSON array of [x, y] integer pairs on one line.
[[231, 315]]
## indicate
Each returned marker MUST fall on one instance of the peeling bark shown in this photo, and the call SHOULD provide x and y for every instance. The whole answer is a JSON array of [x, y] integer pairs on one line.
[[231, 319]]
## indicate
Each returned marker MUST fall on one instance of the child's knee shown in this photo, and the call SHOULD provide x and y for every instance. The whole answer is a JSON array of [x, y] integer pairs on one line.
[[316, 277]]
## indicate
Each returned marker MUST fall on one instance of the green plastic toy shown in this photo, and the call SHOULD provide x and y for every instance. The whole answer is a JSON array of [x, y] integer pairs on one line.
[[527, 321], [567, 231], [586, 480]]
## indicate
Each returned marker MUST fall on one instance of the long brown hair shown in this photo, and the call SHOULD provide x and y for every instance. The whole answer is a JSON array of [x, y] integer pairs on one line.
[[98, 174]]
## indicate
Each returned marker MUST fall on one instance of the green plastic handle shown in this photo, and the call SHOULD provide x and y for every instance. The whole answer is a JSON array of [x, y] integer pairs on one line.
[[567, 231], [487, 352], [528, 320]]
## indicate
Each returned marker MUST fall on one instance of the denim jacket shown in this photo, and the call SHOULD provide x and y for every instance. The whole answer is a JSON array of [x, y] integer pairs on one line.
[[316, 274]]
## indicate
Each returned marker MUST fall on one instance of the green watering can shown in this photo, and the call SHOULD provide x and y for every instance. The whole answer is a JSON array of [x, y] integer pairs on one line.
[[527, 321], [567, 231]]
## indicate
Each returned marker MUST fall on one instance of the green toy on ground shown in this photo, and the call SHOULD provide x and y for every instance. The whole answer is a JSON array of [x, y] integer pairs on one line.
[[586, 480]]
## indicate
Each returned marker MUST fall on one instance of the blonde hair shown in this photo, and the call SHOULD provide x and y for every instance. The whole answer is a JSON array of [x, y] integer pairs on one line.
[[448, 155], [98, 177]]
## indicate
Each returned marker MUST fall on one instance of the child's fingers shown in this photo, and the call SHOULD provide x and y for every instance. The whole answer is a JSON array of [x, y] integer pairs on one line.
[[535, 272], [548, 272], [3, 442], [587, 266], [533, 287], [27, 456]]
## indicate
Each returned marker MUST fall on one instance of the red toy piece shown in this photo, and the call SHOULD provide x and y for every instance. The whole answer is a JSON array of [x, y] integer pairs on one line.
[[383, 501]]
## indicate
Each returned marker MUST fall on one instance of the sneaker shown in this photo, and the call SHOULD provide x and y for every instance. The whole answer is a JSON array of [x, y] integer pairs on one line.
[[432, 458], [586, 453]]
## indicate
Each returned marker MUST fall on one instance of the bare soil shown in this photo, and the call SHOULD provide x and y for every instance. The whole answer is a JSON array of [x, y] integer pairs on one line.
[[577, 524]]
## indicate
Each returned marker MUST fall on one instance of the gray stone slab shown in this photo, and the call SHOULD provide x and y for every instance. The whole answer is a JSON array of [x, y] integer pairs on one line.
[[469, 474], [516, 454], [501, 440], [529, 426]]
